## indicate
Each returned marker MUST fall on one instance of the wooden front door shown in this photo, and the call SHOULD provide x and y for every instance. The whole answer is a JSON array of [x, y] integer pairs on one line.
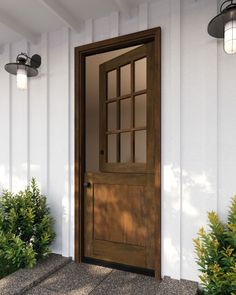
[[119, 201]]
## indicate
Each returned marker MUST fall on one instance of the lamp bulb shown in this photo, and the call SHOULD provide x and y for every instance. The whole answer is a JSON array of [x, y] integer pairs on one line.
[[230, 37], [21, 79]]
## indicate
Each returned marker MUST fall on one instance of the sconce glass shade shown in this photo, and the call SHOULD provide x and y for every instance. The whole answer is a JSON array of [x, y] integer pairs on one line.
[[21, 79], [224, 26], [230, 37]]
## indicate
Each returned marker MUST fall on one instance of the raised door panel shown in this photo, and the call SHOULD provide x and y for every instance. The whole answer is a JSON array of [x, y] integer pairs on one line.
[[117, 223], [119, 213]]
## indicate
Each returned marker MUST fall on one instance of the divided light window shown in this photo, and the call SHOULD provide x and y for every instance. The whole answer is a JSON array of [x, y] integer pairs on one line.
[[125, 116]]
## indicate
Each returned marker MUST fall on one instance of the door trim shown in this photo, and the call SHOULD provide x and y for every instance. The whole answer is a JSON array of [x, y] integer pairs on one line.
[[81, 53]]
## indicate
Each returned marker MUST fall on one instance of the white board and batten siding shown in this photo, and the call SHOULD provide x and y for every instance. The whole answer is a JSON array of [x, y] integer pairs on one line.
[[198, 122]]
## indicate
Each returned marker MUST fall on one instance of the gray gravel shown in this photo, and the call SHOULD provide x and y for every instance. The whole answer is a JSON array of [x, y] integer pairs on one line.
[[24, 279], [58, 275], [85, 279]]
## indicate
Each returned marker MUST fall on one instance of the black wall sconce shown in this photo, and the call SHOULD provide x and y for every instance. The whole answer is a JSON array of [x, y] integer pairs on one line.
[[23, 68], [224, 26]]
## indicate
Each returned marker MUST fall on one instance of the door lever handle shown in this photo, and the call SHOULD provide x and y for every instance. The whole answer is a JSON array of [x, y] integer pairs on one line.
[[87, 184]]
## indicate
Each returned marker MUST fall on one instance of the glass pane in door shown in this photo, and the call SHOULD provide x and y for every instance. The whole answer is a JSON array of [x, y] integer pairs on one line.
[[140, 74], [125, 79], [111, 148], [140, 146], [125, 113], [111, 116], [125, 147], [140, 110], [111, 84]]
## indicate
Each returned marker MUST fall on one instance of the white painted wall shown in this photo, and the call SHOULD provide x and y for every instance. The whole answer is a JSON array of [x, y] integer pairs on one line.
[[198, 122]]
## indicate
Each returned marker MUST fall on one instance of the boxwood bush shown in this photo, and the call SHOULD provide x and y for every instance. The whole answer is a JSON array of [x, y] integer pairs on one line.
[[26, 229], [216, 254]]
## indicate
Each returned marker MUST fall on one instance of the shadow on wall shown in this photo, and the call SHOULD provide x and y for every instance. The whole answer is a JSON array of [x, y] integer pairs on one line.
[[19, 182], [4, 178], [58, 201], [187, 205], [18, 178]]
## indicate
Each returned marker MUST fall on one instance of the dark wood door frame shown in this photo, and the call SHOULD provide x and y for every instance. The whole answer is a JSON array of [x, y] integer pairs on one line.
[[81, 53]]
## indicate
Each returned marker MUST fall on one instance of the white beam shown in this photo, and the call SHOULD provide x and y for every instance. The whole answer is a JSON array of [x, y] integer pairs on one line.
[[18, 28], [63, 14], [124, 6]]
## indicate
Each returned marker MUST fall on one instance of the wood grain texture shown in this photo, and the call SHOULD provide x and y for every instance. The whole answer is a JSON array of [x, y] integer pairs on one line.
[[122, 253], [141, 253], [119, 215]]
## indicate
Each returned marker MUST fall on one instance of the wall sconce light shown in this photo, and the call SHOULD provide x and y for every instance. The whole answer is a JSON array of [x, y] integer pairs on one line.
[[224, 26], [23, 68]]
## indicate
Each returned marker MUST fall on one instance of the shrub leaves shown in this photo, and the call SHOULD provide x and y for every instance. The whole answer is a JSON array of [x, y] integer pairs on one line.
[[26, 229], [216, 254]]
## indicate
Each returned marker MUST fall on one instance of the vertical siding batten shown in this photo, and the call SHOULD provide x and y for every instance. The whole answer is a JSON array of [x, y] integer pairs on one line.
[[10, 122], [227, 129], [143, 16], [66, 198], [217, 132], [19, 128], [176, 166], [88, 36], [199, 115], [44, 82], [75, 40], [38, 119], [5, 109], [58, 129], [28, 121], [114, 24]]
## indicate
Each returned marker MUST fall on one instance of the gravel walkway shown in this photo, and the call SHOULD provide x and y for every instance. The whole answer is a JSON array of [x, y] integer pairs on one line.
[[61, 276]]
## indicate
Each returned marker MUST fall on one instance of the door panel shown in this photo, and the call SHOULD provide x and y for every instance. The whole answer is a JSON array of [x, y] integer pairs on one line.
[[120, 253], [119, 202], [117, 211]]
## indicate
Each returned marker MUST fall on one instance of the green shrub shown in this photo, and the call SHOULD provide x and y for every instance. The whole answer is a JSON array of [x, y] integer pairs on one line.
[[26, 229], [216, 254]]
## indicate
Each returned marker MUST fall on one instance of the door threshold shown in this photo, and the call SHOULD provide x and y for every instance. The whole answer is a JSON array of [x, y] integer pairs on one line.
[[118, 266]]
